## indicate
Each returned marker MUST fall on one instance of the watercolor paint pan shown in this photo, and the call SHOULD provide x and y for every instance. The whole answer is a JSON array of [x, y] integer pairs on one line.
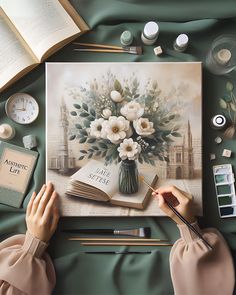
[[225, 190]]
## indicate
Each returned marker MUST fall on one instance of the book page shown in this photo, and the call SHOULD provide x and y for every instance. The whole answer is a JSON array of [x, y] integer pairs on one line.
[[98, 175], [42, 23], [14, 57]]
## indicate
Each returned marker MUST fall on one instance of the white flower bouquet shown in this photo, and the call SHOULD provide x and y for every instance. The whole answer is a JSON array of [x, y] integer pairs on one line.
[[120, 122]]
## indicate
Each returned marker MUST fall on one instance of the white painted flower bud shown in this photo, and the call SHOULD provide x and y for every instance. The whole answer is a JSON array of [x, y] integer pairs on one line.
[[106, 113], [116, 96]]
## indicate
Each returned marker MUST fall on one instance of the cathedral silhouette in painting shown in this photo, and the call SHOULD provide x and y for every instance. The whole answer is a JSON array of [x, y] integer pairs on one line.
[[181, 158]]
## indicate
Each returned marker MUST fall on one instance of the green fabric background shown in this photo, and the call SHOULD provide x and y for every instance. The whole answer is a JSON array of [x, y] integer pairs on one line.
[[85, 274]]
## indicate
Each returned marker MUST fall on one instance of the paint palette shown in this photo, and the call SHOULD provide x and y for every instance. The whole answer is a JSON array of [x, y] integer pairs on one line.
[[225, 190]]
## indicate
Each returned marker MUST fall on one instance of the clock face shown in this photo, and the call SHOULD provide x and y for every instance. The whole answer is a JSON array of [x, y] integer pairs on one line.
[[22, 108]]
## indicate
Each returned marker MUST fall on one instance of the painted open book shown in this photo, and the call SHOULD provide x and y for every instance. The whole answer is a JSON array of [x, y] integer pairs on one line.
[[150, 112], [98, 182], [31, 31]]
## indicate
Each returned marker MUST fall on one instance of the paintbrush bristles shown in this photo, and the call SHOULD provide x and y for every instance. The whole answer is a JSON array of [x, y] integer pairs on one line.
[[141, 178], [133, 50]]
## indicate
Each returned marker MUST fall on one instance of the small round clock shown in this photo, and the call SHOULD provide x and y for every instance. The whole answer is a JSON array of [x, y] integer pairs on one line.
[[22, 108]]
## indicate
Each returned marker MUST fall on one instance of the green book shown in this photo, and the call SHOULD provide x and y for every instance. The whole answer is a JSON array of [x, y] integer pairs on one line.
[[16, 168]]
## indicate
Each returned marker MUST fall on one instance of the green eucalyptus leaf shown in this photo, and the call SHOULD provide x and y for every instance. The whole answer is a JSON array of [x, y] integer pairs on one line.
[[152, 162], [115, 155], [92, 112], [171, 117], [90, 156], [118, 86], [167, 139], [90, 118], [176, 134], [78, 126], [227, 98], [223, 104], [108, 158], [160, 158], [81, 158], [140, 160], [95, 147], [73, 113], [85, 106], [82, 140], [83, 115], [87, 123], [83, 151], [233, 106], [77, 106], [72, 137], [91, 140], [98, 153], [83, 132], [229, 86], [102, 145], [167, 159]]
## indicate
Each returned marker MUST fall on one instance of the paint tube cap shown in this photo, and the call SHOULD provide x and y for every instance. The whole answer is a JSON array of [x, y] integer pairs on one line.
[[218, 121], [218, 140], [223, 56], [151, 30], [182, 40], [126, 38]]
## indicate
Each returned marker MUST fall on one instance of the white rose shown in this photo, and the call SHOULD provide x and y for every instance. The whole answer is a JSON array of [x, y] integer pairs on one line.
[[129, 149], [96, 128], [106, 113], [143, 127], [132, 111], [115, 129], [116, 96]]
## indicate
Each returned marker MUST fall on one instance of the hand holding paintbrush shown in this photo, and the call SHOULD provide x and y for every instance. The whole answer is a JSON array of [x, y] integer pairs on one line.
[[177, 205]]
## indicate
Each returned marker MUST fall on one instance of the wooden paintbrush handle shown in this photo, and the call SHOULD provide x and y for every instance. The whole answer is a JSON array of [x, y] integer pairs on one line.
[[100, 50], [188, 224], [98, 45], [123, 244]]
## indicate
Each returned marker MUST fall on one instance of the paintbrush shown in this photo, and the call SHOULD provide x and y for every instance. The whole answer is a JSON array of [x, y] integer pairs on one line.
[[124, 244], [178, 214], [109, 48], [134, 239], [142, 232]]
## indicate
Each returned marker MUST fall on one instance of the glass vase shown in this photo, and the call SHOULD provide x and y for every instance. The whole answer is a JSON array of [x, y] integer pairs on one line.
[[128, 177]]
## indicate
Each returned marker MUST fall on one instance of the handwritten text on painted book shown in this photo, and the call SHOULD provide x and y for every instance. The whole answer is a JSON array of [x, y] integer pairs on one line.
[[101, 176]]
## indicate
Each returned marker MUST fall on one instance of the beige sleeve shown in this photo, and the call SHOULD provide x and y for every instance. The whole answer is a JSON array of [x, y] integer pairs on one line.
[[25, 268], [195, 269]]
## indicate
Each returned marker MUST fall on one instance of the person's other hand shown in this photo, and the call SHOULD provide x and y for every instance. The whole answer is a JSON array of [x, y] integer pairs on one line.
[[179, 199], [42, 214]]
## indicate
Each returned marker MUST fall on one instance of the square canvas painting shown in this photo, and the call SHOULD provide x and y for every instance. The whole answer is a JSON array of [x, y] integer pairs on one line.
[[113, 112]]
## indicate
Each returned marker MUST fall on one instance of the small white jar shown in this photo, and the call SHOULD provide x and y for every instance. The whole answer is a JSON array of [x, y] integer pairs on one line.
[[7, 132], [181, 43], [150, 33]]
